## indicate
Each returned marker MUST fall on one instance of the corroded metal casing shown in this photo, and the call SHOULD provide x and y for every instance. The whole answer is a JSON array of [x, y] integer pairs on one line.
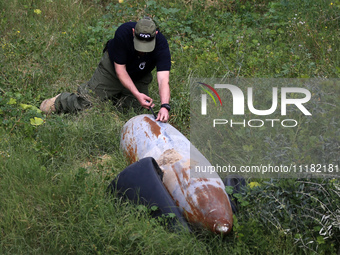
[[201, 196]]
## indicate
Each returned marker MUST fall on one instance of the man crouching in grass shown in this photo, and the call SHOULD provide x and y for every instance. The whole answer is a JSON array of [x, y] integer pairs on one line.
[[124, 72]]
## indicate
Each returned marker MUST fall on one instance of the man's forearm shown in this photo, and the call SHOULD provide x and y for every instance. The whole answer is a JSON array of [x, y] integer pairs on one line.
[[164, 88], [123, 76], [125, 79]]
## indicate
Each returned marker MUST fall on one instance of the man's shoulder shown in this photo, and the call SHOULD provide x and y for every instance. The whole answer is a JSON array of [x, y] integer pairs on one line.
[[122, 44], [160, 35], [161, 41], [126, 27]]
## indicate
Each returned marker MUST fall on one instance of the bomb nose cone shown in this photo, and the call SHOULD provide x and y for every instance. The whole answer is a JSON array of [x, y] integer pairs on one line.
[[222, 228], [220, 223]]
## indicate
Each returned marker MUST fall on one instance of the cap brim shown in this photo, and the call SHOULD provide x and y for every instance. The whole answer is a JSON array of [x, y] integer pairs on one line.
[[144, 46]]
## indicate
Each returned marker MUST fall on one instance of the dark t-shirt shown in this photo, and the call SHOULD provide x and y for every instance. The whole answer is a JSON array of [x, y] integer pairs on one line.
[[122, 51]]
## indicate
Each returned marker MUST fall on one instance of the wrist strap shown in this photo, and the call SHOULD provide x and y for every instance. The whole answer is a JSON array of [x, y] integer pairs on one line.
[[166, 106]]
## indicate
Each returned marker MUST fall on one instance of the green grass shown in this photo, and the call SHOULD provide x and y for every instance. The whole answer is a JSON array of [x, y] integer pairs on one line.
[[53, 176]]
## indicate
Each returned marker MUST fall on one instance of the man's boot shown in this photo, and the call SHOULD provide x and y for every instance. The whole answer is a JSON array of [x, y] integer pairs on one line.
[[47, 106]]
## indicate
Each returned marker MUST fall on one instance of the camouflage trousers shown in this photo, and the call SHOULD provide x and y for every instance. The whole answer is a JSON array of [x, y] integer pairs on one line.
[[104, 85]]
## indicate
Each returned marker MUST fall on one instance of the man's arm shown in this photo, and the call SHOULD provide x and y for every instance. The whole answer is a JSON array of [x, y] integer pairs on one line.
[[164, 93], [144, 100]]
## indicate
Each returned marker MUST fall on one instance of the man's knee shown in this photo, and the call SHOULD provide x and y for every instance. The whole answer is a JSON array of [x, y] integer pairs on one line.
[[71, 103]]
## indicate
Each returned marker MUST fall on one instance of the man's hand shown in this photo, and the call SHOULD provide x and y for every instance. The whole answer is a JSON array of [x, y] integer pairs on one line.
[[163, 115], [123, 76], [145, 101]]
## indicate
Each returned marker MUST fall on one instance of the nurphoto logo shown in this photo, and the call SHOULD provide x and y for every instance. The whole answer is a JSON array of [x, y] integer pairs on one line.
[[238, 104], [266, 127]]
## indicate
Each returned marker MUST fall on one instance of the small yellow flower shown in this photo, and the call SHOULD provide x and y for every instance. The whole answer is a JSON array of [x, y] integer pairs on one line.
[[253, 184], [18, 32], [37, 11], [64, 33]]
